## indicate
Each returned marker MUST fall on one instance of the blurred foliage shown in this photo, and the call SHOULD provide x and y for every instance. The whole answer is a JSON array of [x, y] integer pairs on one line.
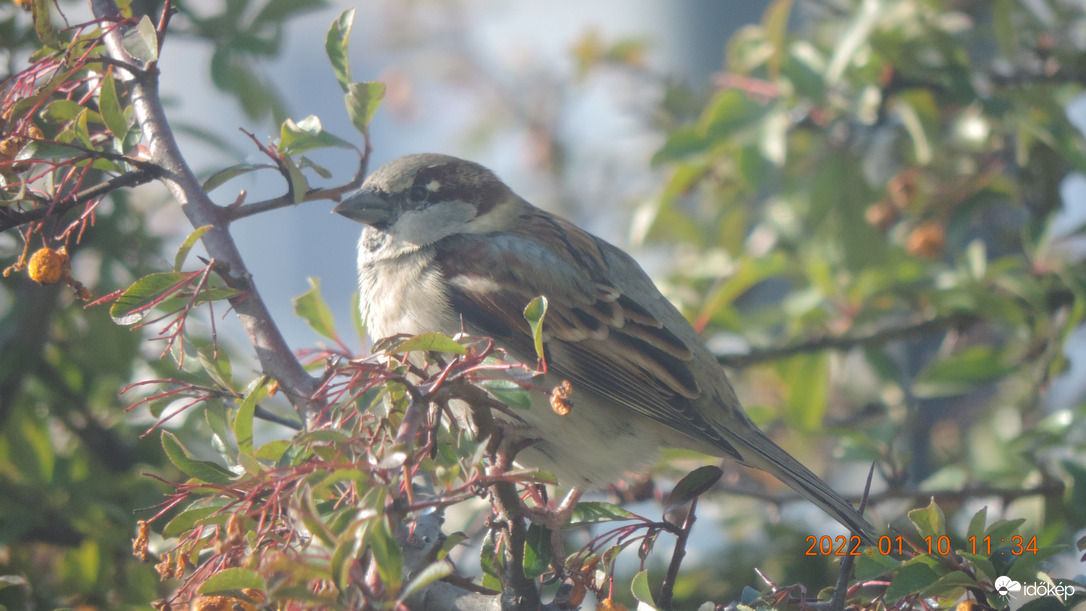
[[868, 195]]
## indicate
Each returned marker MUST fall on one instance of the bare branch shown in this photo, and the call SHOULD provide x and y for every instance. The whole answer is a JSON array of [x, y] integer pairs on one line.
[[957, 320], [286, 200]]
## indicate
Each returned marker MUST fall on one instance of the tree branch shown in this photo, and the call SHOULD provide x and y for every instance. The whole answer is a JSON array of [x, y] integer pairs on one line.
[[10, 220], [275, 357], [879, 337]]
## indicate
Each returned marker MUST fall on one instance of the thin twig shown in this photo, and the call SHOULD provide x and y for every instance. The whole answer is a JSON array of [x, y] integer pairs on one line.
[[957, 320], [667, 588], [1048, 488], [10, 220], [287, 200]]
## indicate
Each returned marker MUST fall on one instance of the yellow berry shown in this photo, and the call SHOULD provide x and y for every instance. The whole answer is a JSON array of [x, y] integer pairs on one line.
[[47, 265]]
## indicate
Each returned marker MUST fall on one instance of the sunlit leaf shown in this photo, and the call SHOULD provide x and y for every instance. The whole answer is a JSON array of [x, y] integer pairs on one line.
[[311, 307], [433, 572], [306, 135], [929, 521], [141, 42], [186, 246], [509, 392], [189, 518], [534, 313], [130, 308], [363, 100], [429, 342], [218, 178], [808, 377], [299, 185], [641, 589], [335, 45], [43, 23], [692, 485], [110, 106], [256, 392], [236, 578], [594, 512], [201, 470]]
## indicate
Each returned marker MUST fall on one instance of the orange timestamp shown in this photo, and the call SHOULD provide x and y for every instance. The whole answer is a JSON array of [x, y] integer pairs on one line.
[[854, 546]]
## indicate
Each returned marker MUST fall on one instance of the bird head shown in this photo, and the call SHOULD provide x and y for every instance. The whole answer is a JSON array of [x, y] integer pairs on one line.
[[417, 200]]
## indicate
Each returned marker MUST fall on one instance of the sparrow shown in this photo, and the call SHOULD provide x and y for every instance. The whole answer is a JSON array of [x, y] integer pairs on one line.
[[446, 246]]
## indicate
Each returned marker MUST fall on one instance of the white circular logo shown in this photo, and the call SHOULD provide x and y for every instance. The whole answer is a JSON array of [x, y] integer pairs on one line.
[[1005, 585]]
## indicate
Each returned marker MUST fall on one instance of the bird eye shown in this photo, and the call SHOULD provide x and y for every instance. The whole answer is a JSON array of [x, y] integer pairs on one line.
[[418, 193]]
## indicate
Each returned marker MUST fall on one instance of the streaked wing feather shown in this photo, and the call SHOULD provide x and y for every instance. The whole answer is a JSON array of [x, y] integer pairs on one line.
[[600, 339]]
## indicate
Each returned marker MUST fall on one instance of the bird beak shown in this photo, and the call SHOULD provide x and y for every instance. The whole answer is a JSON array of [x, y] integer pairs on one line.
[[366, 207]]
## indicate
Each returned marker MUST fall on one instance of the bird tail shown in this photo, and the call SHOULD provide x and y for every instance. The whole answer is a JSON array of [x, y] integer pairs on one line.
[[759, 451]]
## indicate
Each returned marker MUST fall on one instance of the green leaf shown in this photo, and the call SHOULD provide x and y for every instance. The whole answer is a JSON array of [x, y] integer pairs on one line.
[[217, 365], [534, 313], [357, 321], [451, 542], [775, 22], [31, 450], [299, 185], [141, 42], [509, 392], [363, 100], [434, 572], [730, 111], [243, 421], [1003, 27], [186, 246], [386, 553], [949, 584], [910, 579], [961, 371], [641, 589], [808, 377], [273, 450], [870, 566], [218, 178], [133, 304], [190, 517], [110, 106], [537, 551], [306, 135], [594, 512], [201, 470], [694, 484], [929, 521], [236, 578], [335, 45], [61, 111], [311, 307], [429, 342], [977, 523], [278, 12], [43, 23]]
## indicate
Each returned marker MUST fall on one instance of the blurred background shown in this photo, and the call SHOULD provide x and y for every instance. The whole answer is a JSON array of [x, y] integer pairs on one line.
[[872, 209]]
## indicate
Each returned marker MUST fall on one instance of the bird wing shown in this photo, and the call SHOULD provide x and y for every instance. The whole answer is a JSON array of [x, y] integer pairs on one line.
[[597, 336]]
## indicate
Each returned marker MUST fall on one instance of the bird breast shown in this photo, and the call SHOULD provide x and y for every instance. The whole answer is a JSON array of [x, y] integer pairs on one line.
[[404, 294]]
